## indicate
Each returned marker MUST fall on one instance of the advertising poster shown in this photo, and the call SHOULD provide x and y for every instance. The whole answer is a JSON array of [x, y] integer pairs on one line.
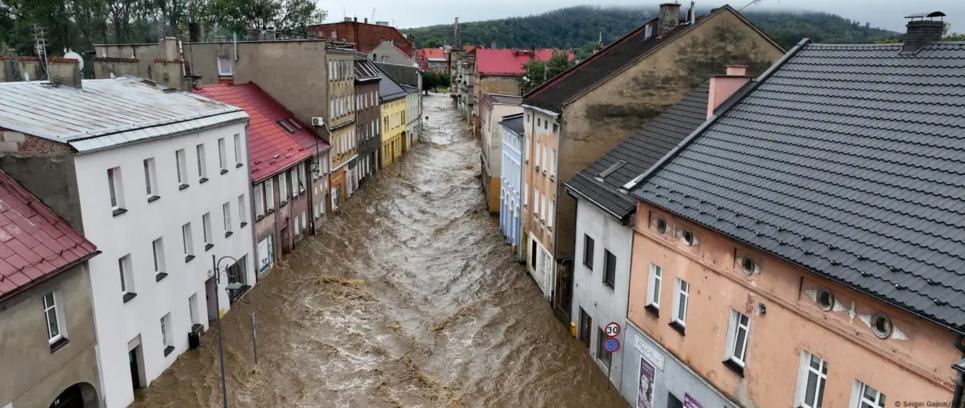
[[645, 388], [690, 402]]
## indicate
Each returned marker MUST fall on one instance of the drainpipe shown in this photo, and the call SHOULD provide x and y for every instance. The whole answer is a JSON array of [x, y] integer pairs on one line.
[[960, 368]]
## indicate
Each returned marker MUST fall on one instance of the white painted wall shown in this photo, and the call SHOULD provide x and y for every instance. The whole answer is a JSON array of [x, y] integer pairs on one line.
[[492, 135], [603, 304], [118, 323]]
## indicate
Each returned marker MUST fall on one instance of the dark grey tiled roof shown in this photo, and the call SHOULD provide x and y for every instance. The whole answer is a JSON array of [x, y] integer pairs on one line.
[[639, 152], [389, 89], [514, 123], [849, 160]]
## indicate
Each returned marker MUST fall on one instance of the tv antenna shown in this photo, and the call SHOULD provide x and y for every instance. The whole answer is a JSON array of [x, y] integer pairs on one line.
[[40, 46]]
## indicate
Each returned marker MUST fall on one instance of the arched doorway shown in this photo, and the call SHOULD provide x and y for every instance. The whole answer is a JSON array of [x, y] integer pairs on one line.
[[80, 395]]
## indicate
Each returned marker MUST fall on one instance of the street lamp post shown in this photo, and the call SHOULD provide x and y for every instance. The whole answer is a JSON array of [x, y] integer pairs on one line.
[[215, 262]]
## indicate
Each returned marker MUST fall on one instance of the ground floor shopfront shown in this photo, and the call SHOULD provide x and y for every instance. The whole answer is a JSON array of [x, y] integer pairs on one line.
[[654, 378]]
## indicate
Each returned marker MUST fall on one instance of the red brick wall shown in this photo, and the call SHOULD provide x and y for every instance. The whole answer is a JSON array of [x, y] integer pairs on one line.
[[365, 36]]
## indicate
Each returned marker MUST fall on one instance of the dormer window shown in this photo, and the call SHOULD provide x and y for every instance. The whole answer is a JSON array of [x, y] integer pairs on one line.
[[688, 237], [881, 325], [825, 300], [661, 225]]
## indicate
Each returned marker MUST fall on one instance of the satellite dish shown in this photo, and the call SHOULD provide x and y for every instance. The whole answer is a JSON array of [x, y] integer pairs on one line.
[[76, 56]]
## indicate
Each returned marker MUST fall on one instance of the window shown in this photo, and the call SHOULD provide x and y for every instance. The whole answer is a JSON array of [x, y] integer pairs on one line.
[[609, 268], [550, 213], [296, 179], [166, 339], [825, 300], [539, 122], [222, 160], [552, 165], [283, 187], [150, 180], [546, 124], [601, 352], [542, 215], [673, 401], [525, 194], [182, 163], [202, 164], [653, 295], [588, 251], [864, 396], [811, 380], [539, 151], [270, 194], [224, 66], [259, 200], [127, 277], [881, 325], [157, 248], [242, 213], [737, 341], [206, 229], [226, 209], [543, 159], [680, 302], [536, 207], [55, 324], [188, 242], [116, 190], [238, 150]]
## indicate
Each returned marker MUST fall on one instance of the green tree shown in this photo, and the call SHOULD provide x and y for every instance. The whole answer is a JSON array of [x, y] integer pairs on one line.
[[430, 80], [432, 43], [537, 72], [290, 17]]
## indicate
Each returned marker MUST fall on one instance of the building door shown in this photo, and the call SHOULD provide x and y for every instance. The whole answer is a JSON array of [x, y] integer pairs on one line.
[[135, 363], [72, 397], [210, 299], [532, 255], [586, 323]]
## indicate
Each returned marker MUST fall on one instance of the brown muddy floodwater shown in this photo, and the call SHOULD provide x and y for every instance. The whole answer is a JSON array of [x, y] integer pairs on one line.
[[409, 298]]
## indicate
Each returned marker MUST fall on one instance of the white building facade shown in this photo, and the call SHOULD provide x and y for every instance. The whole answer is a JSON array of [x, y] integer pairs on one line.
[[413, 116], [601, 282], [159, 188]]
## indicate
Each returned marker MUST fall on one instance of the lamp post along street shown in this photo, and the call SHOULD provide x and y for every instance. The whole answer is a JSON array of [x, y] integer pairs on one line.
[[217, 300]]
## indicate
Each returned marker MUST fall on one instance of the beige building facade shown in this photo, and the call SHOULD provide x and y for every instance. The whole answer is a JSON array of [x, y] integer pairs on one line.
[[589, 113]]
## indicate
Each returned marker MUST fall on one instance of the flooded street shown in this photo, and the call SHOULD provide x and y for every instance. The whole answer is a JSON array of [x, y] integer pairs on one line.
[[410, 298]]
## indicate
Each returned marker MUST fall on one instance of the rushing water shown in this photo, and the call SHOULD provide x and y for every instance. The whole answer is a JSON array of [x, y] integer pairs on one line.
[[409, 298]]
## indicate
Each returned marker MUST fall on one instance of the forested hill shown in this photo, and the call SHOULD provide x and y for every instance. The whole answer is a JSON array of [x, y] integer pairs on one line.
[[574, 27]]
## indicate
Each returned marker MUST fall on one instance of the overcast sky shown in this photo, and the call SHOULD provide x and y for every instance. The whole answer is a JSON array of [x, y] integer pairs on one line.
[[416, 13]]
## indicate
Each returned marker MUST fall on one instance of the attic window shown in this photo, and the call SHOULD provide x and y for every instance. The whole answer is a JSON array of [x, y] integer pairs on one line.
[[825, 300], [285, 126], [616, 166], [661, 225], [881, 325], [293, 123]]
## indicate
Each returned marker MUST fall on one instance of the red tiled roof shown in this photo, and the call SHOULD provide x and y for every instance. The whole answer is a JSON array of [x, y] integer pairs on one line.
[[508, 62], [266, 139], [35, 244], [434, 53], [468, 48]]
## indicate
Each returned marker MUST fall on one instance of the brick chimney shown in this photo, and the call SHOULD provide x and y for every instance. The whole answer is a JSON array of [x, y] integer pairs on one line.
[[922, 29], [669, 17], [723, 86], [64, 71]]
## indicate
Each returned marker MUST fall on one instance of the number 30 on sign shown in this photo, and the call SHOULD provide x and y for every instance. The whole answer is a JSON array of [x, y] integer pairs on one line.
[[612, 329]]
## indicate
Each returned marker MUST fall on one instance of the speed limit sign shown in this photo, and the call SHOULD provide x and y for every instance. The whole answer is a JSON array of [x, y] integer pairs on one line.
[[612, 329]]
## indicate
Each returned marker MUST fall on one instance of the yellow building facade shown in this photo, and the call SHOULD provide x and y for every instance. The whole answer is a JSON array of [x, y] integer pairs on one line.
[[341, 124], [393, 130]]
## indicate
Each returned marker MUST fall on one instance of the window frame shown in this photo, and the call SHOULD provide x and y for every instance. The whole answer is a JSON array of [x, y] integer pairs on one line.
[[804, 375], [187, 240], [157, 251], [681, 301], [655, 281], [222, 72], [269, 196], [601, 348], [115, 184], [125, 267], [260, 209], [858, 398], [226, 214], [222, 155], [242, 217], [609, 279], [181, 161], [208, 235], [237, 146], [150, 178], [589, 246], [283, 188], [58, 317], [733, 334], [202, 163]]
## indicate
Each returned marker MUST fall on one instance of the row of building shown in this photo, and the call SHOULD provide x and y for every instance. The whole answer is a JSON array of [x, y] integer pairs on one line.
[[766, 227], [239, 150]]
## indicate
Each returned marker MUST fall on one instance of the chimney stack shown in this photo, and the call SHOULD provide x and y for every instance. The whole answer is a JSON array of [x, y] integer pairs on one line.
[[64, 71], [669, 17], [723, 86], [195, 32], [29, 68], [6, 69], [170, 45], [919, 31], [365, 20]]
